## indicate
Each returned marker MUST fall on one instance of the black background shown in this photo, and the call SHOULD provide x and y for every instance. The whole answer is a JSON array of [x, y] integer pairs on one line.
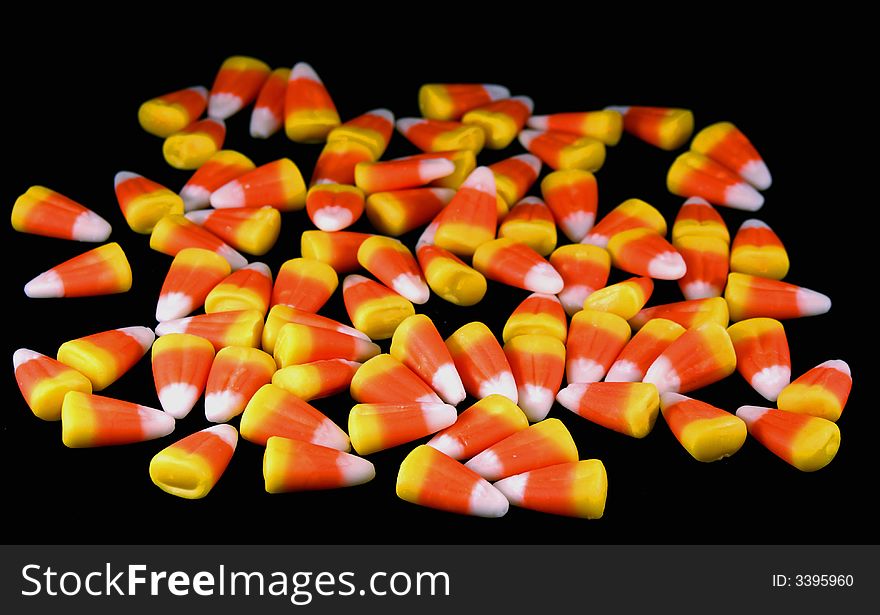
[[71, 123]]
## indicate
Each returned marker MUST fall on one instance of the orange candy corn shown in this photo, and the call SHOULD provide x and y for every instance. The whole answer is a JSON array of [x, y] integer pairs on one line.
[[304, 284], [248, 288], [501, 120], [762, 355], [537, 363], [191, 467], [373, 308], [480, 362], [449, 277], [236, 85], [688, 314], [706, 432], [643, 252], [594, 341], [217, 171], [575, 489], [268, 113], [706, 259], [543, 444], [250, 229], [193, 146], [631, 214], [376, 427], [278, 184], [395, 266], [272, 411], [42, 211], [101, 271], [192, 275], [236, 374], [629, 408], [645, 346], [309, 112], [104, 357], [537, 315], [749, 296], [822, 391], [337, 162], [562, 150], [809, 443], [757, 250], [698, 218], [725, 144], [450, 101], [515, 264], [488, 421], [297, 344], [237, 328], [281, 315], [698, 358], [531, 222], [384, 379], [175, 233], [514, 176], [372, 129], [605, 126], [471, 217], [166, 114], [317, 379], [441, 136], [144, 202], [402, 173], [92, 420], [339, 249], [44, 382], [624, 298], [292, 465], [429, 478], [417, 344], [584, 269], [573, 196], [333, 207], [399, 211], [180, 371], [693, 174], [662, 127]]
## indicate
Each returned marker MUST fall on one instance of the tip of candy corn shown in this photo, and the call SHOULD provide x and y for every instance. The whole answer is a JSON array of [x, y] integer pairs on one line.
[[750, 414], [304, 70], [670, 399], [45, 286], [487, 501], [527, 136], [667, 266], [357, 470], [405, 123], [539, 122], [89, 226], [536, 401], [743, 196], [228, 195], [123, 176], [700, 289], [663, 375], [412, 287], [178, 399], [770, 381], [481, 179], [144, 336], [526, 101], [332, 218], [624, 371], [448, 445], [447, 383], [757, 174], [384, 113], [812, 303], [223, 105], [543, 278], [222, 406], [173, 305], [227, 433], [837, 364], [263, 124], [22, 356], [496, 92]]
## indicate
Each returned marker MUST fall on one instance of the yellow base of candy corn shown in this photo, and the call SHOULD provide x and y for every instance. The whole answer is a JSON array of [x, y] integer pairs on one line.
[[378, 318], [812, 400], [145, 211], [188, 151], [499, 129], [161, 119], [47, 396], [815, 446], [455, 282], [586, 154], [181, 474], [310, 126], [713, 439]]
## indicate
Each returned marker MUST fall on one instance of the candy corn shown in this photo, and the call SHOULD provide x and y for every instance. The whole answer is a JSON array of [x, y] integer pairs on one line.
[[236, 85], [92, 420], [514, 176], [757, 250], [480, 362], [192, 275], [470, 218], [662, 127], [417, 344], [278, 184], [429, 478], [248, 288], [488, 421], [297, 344], [624, 298], [175, 233], [696, 359], [281, 315], [631, 214], [268, 113], [809, 443], [339, 249], [449, 101], [397, 212], [317, 379], [101, 271], [44, 382], [605, 126], [181, 364], [693, 174], [304, 284], [384, 379], [220, 169], [193, 146], [376, 427], [449, 277], [537, 363], [537, 315], [309, 112], [725, 144], [643, 252], [292, 465], [337, 162], [698, 218], [515, 264], [372, 129], [191, 467], [629, 408], [236, 374], [144, 202], [502, 120], [645, 346], [561, 150], [373, 308], [594, 341], [395, 266], [166, 114], [749, 296], [441, 136], [706, 432], [400, 174], [706, 259], [762, 355], [42, 211], [543, 444], [272, 411], [333, 207], [822, 391], [688, 314], [237, 328], [575, 489], [250, 229], [584, 269], [104, 357], [530, 222], [572, 195]]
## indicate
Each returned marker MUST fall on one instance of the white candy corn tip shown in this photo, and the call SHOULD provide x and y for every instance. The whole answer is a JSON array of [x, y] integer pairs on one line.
[[223, 405], [195, 197], [526, 101], [757, 174], [743, 196], [332, 218], [199, 217], [264, 124], [837, 364], [45, 286], [227, 433], [438, 416], [411, 287], [700, 290], [573, 296], [329, 434], [812, 303], [353, 280], [530, 159], [584, 370], [223, 105], [577, 224], [619, 109], [662, 375], [539, 122], [355, 470], [24, 355], [427, 236], [200, 90], [496, 92], [750, 414], [543, 278], [536, 401], [260, 268], [385, 114], [443, 194], [513, 487], [178, 399], [155, 423], [487, 501], [354, 333], [235, 260], [527, 136], [770, 381], [670, 399], [501, 384], [435, 168], [142, 335], [228, 195], [404, 124], [303, 70], [753, 223], [89, 226], [570, 397], [447, 383], [173, 305], [487, 465], [447, 445], [697, 200], [482, 180], [530, 200], [594, 239], [623, 370], [175, 325], [667, 266], [124, 176], [429, 398]]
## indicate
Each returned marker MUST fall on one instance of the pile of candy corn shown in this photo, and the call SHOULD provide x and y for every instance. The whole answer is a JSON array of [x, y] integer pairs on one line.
[[261, 352]]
